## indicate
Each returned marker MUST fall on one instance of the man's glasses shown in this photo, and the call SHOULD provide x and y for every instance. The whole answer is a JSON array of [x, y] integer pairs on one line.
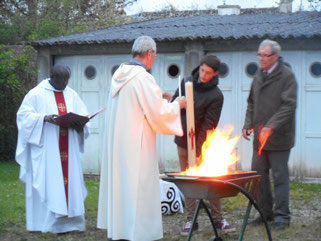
[[264, 55]]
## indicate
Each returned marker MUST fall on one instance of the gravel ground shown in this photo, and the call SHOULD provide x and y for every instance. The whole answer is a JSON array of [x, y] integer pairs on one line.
[[305, 226]]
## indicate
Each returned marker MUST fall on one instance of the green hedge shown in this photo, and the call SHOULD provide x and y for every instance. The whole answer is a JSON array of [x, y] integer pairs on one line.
[[17, 76]]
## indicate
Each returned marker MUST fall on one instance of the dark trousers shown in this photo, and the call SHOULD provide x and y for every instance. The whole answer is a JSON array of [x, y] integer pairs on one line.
[[190, 205], [277, 161]]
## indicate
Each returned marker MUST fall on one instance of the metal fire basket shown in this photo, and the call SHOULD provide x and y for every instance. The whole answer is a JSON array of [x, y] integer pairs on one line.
[[229, 185]]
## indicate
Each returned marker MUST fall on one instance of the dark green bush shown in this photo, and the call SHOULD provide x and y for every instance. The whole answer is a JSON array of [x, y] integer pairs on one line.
[[17, 76]]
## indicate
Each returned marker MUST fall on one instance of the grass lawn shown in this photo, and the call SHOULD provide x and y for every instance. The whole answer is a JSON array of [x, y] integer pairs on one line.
[[12, 198], [12, 209], [12, 195]]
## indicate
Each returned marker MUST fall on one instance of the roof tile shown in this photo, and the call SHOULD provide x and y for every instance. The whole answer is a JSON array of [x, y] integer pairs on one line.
[[258, 25]]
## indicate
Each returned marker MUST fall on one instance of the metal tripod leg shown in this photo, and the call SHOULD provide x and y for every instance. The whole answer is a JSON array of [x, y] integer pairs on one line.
[[201, 204], [246, 218]]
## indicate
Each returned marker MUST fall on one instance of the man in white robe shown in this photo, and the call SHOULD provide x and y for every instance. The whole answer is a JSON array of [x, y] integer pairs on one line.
[[129, 197], [55, 190]]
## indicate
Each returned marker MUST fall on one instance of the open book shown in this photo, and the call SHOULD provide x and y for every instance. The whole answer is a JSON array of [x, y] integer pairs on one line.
[[68, 119]]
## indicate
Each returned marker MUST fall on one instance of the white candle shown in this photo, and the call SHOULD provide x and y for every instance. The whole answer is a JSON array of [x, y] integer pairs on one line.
[[179, 86], [190, 135]]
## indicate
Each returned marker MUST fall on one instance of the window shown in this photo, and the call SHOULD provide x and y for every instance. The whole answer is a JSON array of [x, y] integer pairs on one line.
[[224, 70], [251, 69], [173, 71], [90, 72], [315, 69]]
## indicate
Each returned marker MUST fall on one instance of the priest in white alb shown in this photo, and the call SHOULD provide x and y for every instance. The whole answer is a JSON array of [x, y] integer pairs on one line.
[[129, 197], [50, 156]]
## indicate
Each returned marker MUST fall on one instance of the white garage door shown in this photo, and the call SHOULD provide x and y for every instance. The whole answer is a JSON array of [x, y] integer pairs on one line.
[[305, 158], [91, 78]]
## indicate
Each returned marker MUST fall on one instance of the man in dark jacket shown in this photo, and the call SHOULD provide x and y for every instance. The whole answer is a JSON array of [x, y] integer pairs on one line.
[[271, 114], [208, 102]]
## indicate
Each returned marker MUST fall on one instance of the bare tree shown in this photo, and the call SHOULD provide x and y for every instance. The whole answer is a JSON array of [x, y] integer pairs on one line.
[[315, 5], [33, 19]]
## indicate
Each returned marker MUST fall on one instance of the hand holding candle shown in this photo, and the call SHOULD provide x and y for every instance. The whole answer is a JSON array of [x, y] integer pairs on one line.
[[168, 96], [182, 101]]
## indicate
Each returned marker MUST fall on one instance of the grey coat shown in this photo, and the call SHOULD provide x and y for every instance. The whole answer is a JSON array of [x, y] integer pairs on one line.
[[272, 103]]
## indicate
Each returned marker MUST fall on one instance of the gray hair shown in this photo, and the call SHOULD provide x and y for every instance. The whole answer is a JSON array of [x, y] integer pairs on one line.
[[143, 44], [273, 45]]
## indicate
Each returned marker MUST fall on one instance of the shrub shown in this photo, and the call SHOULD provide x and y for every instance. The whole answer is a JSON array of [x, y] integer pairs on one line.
[[17, 76]]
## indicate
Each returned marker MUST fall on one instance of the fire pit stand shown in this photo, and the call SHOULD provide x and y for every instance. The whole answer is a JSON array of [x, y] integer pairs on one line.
[[229, 185]]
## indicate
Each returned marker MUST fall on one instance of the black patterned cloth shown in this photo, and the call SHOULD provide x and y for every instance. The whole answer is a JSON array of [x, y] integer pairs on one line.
[[171, 198]]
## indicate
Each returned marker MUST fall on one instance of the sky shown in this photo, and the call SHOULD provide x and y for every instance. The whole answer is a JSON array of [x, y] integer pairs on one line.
[[156, 5]]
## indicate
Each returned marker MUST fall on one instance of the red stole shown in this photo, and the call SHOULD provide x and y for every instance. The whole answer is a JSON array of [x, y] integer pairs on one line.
[[63, 139]]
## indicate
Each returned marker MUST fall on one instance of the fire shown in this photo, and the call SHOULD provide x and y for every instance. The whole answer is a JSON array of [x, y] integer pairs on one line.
[[218, 153], [263, 137]]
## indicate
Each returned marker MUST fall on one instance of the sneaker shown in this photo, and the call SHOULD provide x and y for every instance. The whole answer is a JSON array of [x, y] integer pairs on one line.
[[187, 226], [224, 226]]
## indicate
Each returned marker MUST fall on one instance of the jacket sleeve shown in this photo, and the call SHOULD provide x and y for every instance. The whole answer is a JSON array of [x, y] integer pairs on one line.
[[248, 123], [211, 119], [288, 104]]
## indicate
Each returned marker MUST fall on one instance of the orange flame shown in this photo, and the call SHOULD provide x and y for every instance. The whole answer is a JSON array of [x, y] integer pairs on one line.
[[263, 137], [218, 154]]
